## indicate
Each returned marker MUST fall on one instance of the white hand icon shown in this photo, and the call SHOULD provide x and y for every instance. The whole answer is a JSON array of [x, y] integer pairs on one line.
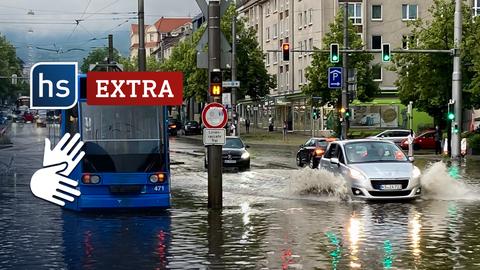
[[47, 183], [64, 152]]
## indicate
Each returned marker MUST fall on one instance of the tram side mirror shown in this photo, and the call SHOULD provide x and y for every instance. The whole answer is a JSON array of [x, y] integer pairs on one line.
[[411, 159]]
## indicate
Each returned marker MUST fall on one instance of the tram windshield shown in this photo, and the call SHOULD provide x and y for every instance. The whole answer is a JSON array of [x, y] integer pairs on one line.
[[121, 138]]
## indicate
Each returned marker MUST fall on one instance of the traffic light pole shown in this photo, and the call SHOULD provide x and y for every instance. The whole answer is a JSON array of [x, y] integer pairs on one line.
[[214, 152], [457, 81], [344, 123], [234, 74], [142, 63]]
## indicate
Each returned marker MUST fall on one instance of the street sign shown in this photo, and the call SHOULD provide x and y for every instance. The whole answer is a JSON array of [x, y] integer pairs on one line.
[[231, 83], [334, 77], [214, 115], [214, 136], [227, 100]]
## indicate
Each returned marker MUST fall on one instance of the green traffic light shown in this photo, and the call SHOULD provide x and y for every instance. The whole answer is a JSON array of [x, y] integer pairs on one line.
[[386, 58], [335, 58], [451, 116]]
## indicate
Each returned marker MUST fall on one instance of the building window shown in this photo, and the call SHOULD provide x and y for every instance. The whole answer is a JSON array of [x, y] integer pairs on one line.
[[274, 31], [376, 12], [476, 7], [310, 12], [409, 12], [300, 20], [377, 72], [305, 46], [275, 58], [376, 42], [268, 34], [268, 9], [304, 18], [276, 5], [300, 45], [300, 76], [355, 13], [310, 44], [305, 76], [267, 59], [407, 42]]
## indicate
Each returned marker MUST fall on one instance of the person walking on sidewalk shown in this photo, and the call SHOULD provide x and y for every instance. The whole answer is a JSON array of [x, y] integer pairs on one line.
[[247, 125], [438, 141], [285, 127], [270, 123]]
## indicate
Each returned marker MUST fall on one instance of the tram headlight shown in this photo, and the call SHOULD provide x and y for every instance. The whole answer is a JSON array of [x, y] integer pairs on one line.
[[153, 178], [94, 179]]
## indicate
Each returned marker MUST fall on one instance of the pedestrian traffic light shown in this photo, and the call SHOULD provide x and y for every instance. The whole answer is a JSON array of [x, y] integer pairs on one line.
[[215, 83], [451, 111], [455, 129], [386, 52], [347, 114], [315, 114], [286, 51], [334, 53]]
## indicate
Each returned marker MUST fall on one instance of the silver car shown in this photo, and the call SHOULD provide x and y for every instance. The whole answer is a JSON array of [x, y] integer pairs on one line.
[[394, 135], [375, 169]]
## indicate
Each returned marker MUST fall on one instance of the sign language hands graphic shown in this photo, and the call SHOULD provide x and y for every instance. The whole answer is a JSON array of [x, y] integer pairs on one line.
[[51, 182]]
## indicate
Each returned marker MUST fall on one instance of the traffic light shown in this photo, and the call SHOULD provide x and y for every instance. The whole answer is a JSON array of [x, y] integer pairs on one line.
[[315, 114], [451, 111], [342, 110], [455, 129], [347, 114], [286, 51], [334, 53], [215, 83], [386, 52]]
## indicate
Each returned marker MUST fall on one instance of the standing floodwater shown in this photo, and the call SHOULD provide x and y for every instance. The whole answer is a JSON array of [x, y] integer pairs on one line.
[[273, 219]]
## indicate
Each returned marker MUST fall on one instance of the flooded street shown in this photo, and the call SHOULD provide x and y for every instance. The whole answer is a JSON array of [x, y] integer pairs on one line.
[[275, 217]]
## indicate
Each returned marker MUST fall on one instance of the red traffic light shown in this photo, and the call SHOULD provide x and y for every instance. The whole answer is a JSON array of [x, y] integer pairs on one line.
[[286, 51]]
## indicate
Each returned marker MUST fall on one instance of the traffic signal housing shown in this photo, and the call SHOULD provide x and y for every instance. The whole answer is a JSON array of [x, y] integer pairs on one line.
[[451, 111], [286, 51], [315, 114], [334, 53], [386, 54], [215, 83]]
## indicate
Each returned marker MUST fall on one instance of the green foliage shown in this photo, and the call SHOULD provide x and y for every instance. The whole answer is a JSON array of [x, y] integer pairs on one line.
[[98, 55], [317, 75], [474, 142], [251, 72], [9, 64], [426, 79]]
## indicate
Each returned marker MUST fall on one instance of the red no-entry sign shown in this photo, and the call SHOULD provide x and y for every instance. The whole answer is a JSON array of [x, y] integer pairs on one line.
[[214, 115]]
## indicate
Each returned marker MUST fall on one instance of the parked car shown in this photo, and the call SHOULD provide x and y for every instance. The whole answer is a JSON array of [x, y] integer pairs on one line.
[[173, 126], [394, 135], [374, 169], [192, 127], [41, 118], [28, 117], [425, 140], [312, 151], [234, 154]]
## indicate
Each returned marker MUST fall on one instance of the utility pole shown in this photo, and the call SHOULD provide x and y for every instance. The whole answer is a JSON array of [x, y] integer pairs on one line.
[[345, 70], [142, 63], [214, 152], [234, 73], [110, 51], [457, 81]]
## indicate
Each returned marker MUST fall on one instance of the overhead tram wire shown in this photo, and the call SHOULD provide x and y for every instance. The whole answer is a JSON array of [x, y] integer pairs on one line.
[[79, 20]]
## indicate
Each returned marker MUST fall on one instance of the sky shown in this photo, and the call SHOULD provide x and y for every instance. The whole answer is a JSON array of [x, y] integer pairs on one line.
[[66, 30]]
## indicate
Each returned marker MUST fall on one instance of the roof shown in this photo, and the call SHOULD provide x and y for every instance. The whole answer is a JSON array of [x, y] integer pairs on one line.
[[134, 28], [363, 140], [165, 25]]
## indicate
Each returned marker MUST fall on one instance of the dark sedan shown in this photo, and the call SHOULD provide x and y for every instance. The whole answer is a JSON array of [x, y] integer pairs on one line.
[[234, 154], [192, 128], [173, 127], [312, 151]]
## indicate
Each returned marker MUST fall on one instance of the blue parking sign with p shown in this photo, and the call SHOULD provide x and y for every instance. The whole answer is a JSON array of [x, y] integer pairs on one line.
[[53, 85]]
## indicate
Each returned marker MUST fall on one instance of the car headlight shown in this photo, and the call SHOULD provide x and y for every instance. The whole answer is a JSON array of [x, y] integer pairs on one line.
[[356, 174], [245, 155], [416, 172]]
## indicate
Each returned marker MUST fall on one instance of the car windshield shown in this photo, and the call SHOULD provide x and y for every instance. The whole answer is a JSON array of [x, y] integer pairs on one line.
[[364, 152], [321, 143], [233, 143]]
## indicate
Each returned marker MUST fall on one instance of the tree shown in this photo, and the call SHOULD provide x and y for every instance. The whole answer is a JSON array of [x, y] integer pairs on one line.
[[426, 79], [9, 64], [316, 73], [251, 72], [98, 55]]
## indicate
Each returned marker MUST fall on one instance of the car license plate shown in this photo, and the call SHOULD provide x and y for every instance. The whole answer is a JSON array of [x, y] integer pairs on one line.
[[230, 161], [391, 187]]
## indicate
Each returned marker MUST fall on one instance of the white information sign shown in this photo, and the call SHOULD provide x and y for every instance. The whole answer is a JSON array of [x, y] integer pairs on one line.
[[214, 136]]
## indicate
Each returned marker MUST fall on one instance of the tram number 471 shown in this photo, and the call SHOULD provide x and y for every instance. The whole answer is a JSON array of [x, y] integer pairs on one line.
[[158, 188]]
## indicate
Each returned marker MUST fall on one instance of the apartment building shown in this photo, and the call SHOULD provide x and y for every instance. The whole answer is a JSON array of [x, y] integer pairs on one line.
[[303, 24], [164, 29]]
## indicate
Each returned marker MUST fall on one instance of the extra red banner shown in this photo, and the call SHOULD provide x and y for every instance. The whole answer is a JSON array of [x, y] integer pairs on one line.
[[135, 88]]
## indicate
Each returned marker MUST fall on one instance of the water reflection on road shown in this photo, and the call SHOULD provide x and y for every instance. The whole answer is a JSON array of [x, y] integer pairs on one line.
[[273, 219]]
